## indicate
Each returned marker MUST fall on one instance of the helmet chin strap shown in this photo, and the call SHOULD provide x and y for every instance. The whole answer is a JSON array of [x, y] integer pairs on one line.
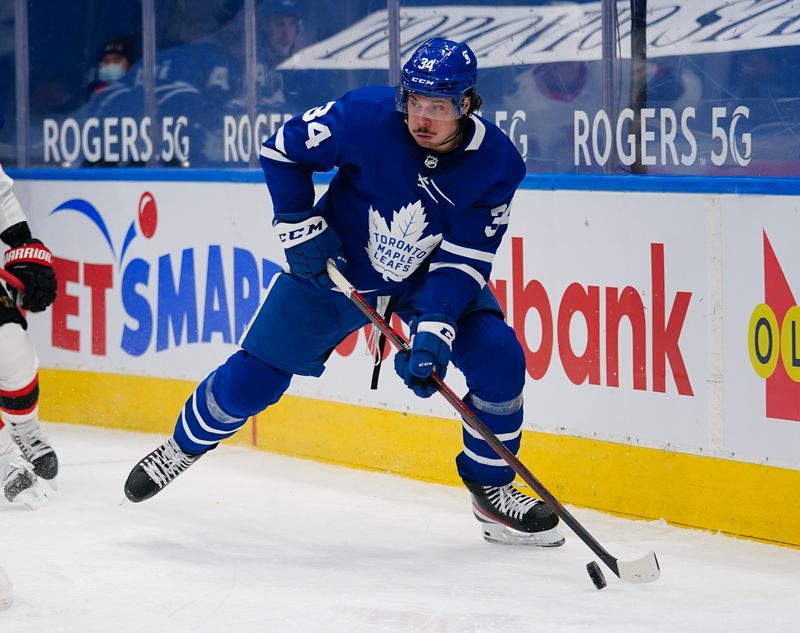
[[455, 136], [462, 121]]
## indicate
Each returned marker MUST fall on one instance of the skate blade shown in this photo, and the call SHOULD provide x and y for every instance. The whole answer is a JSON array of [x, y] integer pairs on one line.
[[497, 533], [50, 486], [6, 591], [32, 498], [6, 596]]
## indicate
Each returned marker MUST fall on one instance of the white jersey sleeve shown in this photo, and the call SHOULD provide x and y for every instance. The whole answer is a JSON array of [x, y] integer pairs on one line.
[[10, 210]]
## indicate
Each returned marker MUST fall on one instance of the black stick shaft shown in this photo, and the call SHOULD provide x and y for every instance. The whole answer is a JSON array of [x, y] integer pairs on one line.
[[526, 475]]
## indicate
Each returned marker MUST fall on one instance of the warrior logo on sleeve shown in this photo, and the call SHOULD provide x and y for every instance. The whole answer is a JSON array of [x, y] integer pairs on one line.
[[397, 251]]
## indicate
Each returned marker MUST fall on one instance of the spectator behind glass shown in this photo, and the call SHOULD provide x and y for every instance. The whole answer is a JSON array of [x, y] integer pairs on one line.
[[195, 77], [115, 61], [200, 78], [280, 30], [278, 37]]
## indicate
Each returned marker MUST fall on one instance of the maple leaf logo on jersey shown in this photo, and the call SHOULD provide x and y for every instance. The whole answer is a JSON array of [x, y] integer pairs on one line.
[[398, 251]]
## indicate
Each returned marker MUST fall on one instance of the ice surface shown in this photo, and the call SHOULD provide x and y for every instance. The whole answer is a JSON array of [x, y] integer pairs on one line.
[[247, 541]]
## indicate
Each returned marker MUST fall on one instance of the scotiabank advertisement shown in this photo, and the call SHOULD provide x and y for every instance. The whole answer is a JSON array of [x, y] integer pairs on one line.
[[607, 293], [617, 298]]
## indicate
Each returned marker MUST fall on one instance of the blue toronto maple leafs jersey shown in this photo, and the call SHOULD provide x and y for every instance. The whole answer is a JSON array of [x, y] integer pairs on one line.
[[408, 218]]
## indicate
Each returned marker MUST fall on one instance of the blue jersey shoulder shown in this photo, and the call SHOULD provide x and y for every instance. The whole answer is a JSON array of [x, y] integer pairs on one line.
[[392, 202], [499, 152]]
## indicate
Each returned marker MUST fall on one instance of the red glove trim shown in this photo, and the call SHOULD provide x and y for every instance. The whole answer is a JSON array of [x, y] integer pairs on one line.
[[31, 253]]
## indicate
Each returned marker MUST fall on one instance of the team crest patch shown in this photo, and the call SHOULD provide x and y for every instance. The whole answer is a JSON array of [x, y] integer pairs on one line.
[[396, 251], [431, 161]]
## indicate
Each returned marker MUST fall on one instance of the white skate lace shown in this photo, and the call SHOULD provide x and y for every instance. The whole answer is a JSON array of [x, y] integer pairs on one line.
[[373, 346], [166, 463], [30, 439], [510, 501]]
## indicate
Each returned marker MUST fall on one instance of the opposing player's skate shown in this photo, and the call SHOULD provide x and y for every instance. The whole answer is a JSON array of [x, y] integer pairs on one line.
[[6, 591], [510, 517], [156, 470], [19, 484], [33, 445]]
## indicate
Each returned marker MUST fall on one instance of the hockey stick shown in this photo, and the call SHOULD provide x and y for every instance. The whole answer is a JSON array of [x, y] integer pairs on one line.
[[12, 280], [644, 569], [16, 283]]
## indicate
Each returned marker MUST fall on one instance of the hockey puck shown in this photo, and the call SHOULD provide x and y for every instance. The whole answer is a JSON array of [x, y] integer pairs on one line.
[[596, 574]]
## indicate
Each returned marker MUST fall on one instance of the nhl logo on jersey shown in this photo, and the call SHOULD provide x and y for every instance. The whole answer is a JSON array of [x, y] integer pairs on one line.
[[431, 161]]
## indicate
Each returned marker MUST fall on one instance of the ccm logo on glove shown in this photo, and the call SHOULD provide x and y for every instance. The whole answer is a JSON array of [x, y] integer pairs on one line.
[[309, 244], [37, 254], [292, 234], [443, 330], [432, 336]]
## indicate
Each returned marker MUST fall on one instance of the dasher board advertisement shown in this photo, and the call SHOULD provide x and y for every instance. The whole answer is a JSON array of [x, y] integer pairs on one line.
[[762, 329], [606, 292]]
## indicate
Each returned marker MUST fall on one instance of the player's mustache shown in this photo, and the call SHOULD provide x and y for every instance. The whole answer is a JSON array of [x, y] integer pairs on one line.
[[421, 130]]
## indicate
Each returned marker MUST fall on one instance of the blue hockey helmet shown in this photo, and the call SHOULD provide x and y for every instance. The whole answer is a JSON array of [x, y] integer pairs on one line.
[[283, 8], [439, 68]]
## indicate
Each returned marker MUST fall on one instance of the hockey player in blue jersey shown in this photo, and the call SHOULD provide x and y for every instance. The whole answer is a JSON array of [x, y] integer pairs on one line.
[[414, 217]]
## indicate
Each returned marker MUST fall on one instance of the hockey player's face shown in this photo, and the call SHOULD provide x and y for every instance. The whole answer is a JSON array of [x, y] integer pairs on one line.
[[433, 122]]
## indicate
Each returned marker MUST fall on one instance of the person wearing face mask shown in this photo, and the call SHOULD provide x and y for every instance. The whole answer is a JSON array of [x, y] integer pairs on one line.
[[116, 60]]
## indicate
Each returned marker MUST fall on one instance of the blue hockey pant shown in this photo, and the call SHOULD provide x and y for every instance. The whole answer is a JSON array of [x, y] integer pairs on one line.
[[296, 329]]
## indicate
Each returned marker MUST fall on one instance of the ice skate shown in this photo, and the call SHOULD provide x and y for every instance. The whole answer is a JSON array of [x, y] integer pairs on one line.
[[510, 517], [6, 591], [20, 485], [156, 470], [31, 440]]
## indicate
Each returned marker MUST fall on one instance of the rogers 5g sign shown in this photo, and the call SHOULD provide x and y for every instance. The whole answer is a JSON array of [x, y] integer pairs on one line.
[[668, 137]]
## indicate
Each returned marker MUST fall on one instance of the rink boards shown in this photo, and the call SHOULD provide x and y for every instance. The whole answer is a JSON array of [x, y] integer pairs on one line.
[[660, 329]]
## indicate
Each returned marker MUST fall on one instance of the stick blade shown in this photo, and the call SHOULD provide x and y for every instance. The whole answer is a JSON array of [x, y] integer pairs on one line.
[[644, 569]]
